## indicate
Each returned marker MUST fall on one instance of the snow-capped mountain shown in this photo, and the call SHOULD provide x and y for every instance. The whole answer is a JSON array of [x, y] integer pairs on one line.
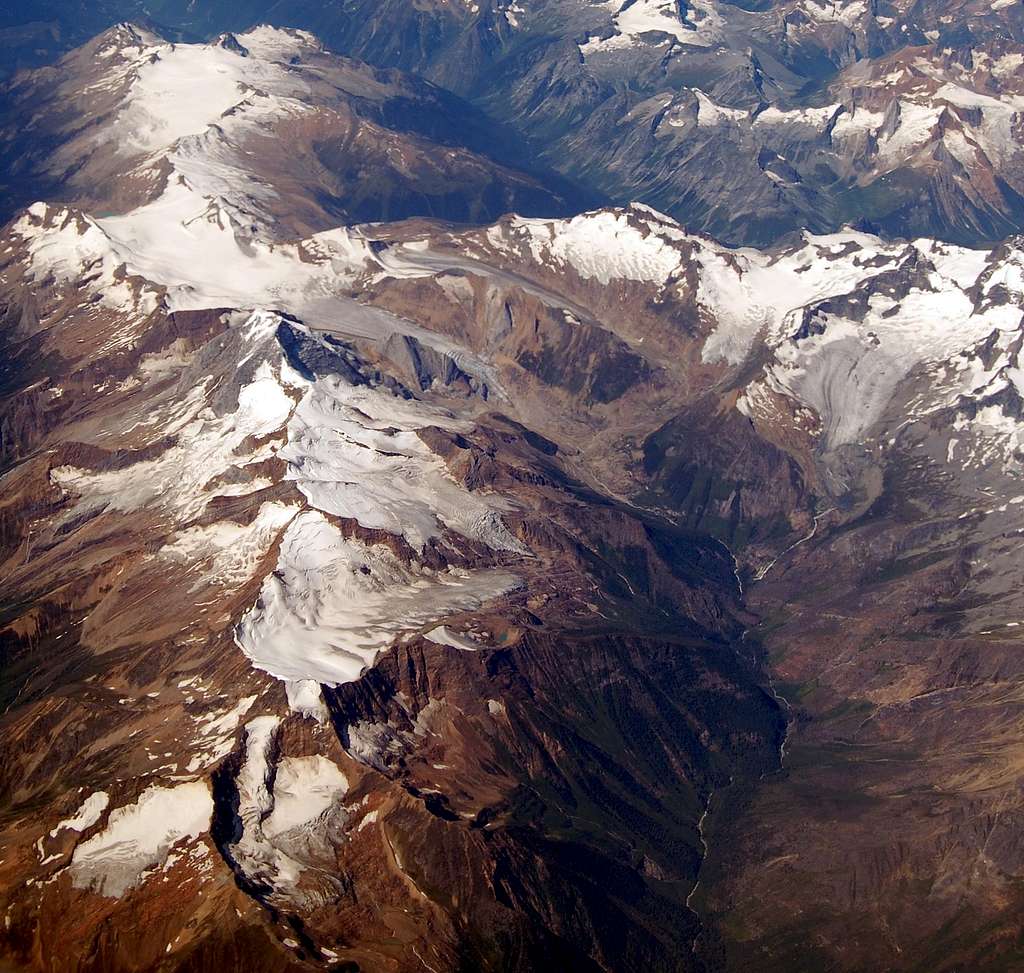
[[746, 120], [228, 120], [392, 580]]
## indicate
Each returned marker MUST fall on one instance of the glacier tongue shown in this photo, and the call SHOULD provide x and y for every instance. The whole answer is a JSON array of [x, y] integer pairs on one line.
[[284, 809]]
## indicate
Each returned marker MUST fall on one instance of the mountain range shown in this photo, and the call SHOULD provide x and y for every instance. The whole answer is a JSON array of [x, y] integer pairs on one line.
[[516, 487]]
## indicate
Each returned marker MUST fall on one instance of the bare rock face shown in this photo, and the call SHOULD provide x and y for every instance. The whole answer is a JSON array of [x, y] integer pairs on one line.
[[559, 591]]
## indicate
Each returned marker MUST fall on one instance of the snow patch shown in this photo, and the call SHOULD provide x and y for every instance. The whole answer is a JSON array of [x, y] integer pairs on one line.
[[140, 836], [86, 816], [442, 635]]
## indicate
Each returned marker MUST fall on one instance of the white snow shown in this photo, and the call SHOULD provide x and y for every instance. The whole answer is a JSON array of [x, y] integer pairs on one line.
[[276, 43], [65, 246], [1009, 64], [87, 815], [215, 734], [204, 237], [632, 19], [306, 697], [370, 818], [139, 836], [443, 635], [857, 123], [605, 245], [916, 127], [180, 90], [749, 292], [710, 113], [846, 375], [183, 477], [353, 452], [231, 553], [255, 799], [814, 118], [225, 723], [849, 371], [333, 604], [277, 817], [304, 788], [846, 12], [194, 243]]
